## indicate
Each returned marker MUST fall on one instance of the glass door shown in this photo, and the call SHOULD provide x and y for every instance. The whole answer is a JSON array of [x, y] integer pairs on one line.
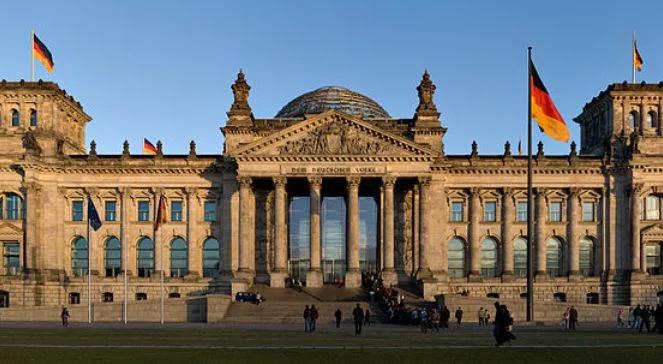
[[332, 219]]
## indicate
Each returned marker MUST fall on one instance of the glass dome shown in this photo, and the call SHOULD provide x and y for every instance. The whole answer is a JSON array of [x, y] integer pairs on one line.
[[333, 98]]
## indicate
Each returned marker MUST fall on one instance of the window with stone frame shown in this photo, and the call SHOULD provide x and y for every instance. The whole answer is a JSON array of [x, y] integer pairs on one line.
[[457, 211], [653, 258], [176, 210], [77, 210], [588, 211], [490, 211], [652, 208], [210, 211], [521, 211], [555, 211], [144, 210], [110, 210], [652, 120]]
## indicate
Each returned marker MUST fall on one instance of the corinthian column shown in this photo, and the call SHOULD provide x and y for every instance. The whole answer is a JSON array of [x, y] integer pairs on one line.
[[635, 229], [540, 231], [277, 276], [314, 275], [245, 244], [353, 275], [388, 272], [574, 248], [507, 233], [473, 234], [424, 248]]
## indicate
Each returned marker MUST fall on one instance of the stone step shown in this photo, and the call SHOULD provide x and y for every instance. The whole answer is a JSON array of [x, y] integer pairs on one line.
[[292, 312]]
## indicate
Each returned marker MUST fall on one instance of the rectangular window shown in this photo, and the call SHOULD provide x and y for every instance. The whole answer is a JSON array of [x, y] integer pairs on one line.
[[176, 211], [77, 210], [109, 209], [1, 206], [588, 211], [555, 211], [652, 208], [490, 211], [521, 211], [653, 259], [210, 211], [10, 258], [457, 211], [143, 210]]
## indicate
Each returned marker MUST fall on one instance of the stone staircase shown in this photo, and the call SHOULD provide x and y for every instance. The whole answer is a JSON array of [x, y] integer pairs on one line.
[[286, 306]]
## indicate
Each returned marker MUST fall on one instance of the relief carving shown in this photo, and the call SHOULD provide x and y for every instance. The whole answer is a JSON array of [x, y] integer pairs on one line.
[[334, 138]]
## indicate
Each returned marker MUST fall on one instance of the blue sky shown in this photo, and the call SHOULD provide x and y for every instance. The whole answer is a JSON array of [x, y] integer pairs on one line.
[[163, 69]]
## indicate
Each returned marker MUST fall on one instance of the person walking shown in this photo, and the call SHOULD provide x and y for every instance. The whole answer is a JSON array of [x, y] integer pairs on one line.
[[637, 316], [573, 318], [358, 315], [65, 317], [314, 318], [482, 316], [338, 315], [459, 315], [445, 315], [620, 319], [644, 319], [565, 318], [307, 319], [367, 318]]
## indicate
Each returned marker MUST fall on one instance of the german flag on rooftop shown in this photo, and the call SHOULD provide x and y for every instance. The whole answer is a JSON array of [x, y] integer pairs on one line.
[[41, 52], [544, 110]]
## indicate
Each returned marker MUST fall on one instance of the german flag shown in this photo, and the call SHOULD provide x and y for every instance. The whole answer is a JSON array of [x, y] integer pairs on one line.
[[160, 216], [544, 110], [42, 53], [149, 148], [637, 59]]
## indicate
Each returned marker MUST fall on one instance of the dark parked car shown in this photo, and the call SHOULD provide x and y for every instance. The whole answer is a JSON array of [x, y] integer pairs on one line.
[[245, 297]]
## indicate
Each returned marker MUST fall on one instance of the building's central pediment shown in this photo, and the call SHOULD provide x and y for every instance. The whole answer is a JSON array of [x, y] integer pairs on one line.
[[334, 134]]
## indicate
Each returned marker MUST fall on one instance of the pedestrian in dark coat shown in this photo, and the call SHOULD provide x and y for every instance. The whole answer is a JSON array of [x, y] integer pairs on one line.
[[358, 315], [307, 319], [459, 315], [314, 318], [338, 315], [445, 315], [573, 318]]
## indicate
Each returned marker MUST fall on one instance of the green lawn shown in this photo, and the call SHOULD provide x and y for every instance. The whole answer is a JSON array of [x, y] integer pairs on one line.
[[332, 346]]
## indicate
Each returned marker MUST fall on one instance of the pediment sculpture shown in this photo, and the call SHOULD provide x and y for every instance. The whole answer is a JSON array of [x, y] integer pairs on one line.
[[334, 138]]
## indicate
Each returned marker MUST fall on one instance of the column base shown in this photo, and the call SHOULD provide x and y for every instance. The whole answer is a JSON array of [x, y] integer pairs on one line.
[[314, 278], [389, 277], [424, 273], [474, 277], [353, 278], [575, 276], [637, 275], [507, 276], [245, 274], [277, 278], [541, 276]]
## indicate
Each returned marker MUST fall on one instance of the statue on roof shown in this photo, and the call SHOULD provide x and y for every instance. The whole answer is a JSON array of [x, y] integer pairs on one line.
[[426, 91], [240, 89]]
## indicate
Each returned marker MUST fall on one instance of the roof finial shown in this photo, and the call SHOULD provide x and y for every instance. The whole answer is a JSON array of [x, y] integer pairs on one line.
[[426, 108], [240, 107]]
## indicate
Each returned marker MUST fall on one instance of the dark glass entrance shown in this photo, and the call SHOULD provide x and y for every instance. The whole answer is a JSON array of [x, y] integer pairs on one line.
[[368, 234], [299, 236], [332, 219]]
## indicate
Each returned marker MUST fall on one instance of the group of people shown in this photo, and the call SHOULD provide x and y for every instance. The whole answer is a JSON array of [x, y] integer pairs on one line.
[[640, 317], [570, 318], [310, 318], [503, 325], [360, 317]]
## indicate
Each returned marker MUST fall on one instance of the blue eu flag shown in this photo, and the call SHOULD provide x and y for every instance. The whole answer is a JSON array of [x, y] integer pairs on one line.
[[92, 215]]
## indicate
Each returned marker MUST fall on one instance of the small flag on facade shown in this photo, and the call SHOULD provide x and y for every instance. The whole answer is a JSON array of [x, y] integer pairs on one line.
[[544, 111], [42, 53], [637, 59], [160, 217], [92, 215], [149, 148]]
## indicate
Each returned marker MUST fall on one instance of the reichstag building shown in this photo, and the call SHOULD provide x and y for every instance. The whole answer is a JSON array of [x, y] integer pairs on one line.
[[330, 188]]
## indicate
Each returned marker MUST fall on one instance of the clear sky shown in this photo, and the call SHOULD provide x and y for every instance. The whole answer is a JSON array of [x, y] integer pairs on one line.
[[163, 69]]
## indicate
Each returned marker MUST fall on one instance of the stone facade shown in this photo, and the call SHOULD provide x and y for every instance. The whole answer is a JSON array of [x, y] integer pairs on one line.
[[451, 223]]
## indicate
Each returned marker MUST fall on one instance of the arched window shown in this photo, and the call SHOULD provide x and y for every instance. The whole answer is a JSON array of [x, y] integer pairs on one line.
[[652, 120], [33, 117], [586, 258], [14, 203], [79, 256], [179, 260], [16, 117], [488, 258], [554, 257], [632, 118], [145, 255], [211, 258], [520, 257], [456, 258], [113, 257]]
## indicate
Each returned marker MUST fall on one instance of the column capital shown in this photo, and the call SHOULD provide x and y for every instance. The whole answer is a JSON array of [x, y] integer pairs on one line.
[[191, 191], [353, 182], [507, 192], [540, 192], [244, 181], [475, 192], [314, 181], [424, 181], [388, 181], [280, 181], [636, 189], [91, 191]]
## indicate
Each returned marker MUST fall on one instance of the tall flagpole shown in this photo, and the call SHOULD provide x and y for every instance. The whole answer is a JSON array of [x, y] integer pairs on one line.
[[32, 58], [633, 58], [125, 248], [89, 271], [530, 229], [161, 269]]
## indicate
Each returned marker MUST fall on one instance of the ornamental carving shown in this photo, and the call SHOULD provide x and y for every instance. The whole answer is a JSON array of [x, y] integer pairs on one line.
[[334, 138]]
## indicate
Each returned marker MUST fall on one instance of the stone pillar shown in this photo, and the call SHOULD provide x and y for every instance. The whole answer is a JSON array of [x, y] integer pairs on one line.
[[636, 266], [246, 246], [31, 259], [353, 275], [540, 231], [192, 219], [424, 271], [571, 238], [388, 272], [314, 274], [473, 234], [611, 202], [280, 271], [128, 264], [507, 233]]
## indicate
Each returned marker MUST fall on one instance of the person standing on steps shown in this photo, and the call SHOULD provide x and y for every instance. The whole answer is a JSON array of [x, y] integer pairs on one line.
[[307, 319], [358, 315], [314, 318], [459, 315], [338, 315]]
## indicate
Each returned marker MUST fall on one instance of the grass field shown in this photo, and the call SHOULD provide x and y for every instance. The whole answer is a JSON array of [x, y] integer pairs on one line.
[[209, 344]]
